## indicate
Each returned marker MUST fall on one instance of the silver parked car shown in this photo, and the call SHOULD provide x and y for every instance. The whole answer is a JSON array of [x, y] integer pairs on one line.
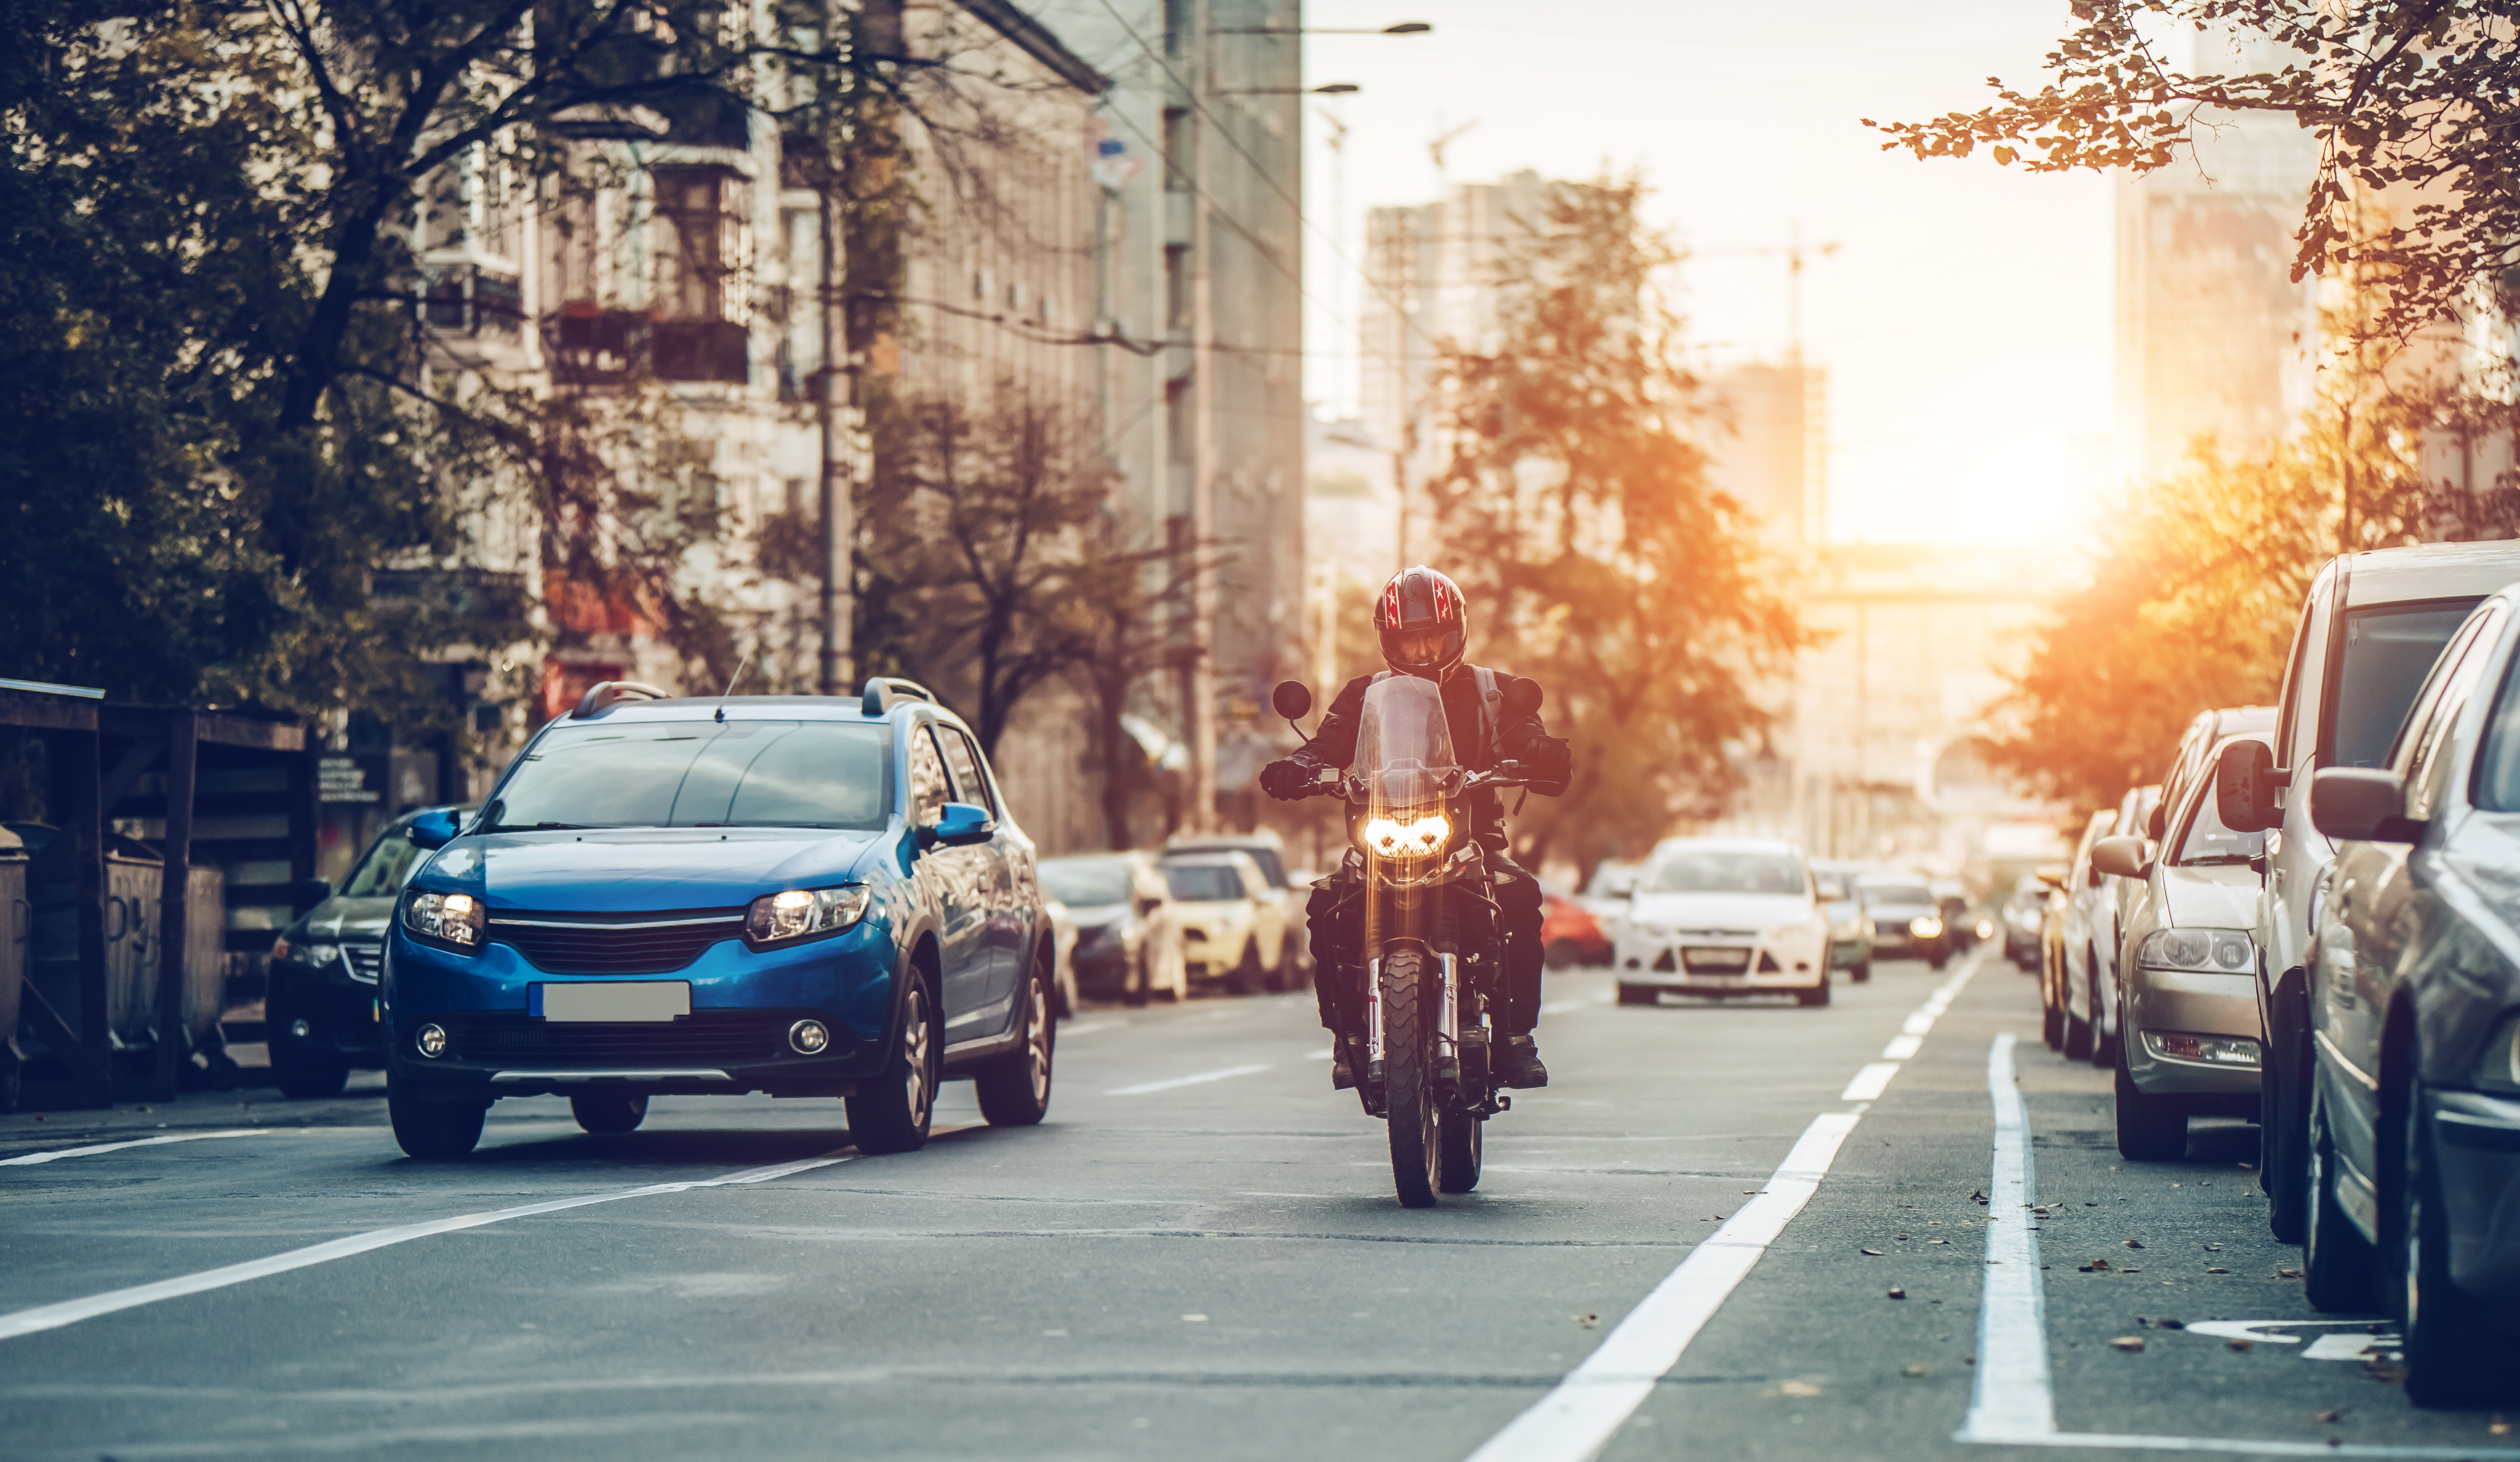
[[2187, 985]]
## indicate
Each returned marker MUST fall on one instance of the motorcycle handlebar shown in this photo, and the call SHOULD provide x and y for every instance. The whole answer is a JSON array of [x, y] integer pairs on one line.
[[1506, 774]]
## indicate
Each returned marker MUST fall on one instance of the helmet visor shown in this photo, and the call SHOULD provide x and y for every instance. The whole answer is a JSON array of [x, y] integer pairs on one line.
[[1423, 647]]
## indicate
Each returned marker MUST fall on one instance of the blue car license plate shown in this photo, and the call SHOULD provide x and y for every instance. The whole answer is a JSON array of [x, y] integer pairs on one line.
[[650, 1000]]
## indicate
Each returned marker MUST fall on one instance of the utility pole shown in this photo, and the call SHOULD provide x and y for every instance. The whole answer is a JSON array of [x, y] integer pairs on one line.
[[1199, 720], [838, 503]]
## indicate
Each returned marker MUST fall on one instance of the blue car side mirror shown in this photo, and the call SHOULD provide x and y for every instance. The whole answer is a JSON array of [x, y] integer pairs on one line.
[[959, 825], [435, 829]]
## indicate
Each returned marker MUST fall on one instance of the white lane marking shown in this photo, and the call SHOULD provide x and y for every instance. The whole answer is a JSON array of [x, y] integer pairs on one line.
[[72, 1311], [1901, 1047], [1089, 1028], [114, 1146], [2350, 1347], [1573, 1422], [1870, 1082], [1200, 1079], [1919, 1022], [2011, 1398], [2251, 1330]]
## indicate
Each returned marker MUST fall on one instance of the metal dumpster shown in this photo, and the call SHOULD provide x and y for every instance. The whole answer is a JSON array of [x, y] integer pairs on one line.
[[134, 879]]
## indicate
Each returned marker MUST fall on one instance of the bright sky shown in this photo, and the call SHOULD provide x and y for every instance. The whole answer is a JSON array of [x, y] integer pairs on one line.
[[1964, 320]]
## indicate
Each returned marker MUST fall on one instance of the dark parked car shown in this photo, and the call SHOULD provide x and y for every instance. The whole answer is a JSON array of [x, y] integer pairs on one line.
[[797, 894], [2020, 922], [1907, 919], [320, 1012], [1123, 931], [2414, 1009]]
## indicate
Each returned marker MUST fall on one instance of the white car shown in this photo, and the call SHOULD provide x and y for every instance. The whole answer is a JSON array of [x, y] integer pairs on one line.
[[1722, 917], [1292, 966], [1605, 897], [1233, 928]]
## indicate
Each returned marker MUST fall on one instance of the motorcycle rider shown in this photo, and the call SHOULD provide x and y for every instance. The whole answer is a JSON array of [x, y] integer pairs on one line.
[[1422, 620]]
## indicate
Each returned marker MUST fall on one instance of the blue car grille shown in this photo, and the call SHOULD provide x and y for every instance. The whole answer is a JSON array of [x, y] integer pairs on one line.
[[648, 945], [701, 1037]]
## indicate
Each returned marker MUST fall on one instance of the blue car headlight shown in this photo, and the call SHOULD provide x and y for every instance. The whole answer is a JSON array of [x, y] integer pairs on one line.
[[804, 913], [449, 921]]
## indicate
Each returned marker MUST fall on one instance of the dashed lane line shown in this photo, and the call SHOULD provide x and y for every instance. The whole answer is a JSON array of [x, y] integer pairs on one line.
[[1870, 1082], [70, 1312], [1203, 1078], [31, 1159], [2011, 1401]]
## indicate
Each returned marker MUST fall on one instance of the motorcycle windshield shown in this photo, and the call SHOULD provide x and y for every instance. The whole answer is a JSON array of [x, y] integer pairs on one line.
[[1404, 767]]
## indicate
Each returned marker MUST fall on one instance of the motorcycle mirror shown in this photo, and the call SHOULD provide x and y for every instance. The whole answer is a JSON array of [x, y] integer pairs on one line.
[[1523, 698], [1291, 700]]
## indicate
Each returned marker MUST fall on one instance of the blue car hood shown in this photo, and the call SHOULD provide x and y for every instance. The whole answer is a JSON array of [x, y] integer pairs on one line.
[[630, 870]]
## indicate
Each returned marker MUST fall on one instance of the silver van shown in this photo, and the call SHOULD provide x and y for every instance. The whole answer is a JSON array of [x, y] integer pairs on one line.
[[2369, 631]]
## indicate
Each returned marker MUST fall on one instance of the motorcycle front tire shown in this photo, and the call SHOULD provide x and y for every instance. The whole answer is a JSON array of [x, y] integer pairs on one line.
[[1410, 1109]]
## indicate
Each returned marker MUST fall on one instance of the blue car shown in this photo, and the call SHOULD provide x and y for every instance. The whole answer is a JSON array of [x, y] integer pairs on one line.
[[791, 895]]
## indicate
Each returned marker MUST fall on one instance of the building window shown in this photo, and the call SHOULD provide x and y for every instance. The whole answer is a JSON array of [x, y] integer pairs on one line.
[[1178, 161], [703, 239]]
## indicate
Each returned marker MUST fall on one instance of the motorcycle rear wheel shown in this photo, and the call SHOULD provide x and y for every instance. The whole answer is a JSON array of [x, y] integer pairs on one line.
[[1410, 1109]]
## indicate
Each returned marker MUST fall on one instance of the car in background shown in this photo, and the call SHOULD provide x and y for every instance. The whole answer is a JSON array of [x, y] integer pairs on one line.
[[2188, 984], [1952, 896], [803, 895], [2019, 921], [1905, 921], [1292, 967], [1850, 941], [2088, 949], [1128, 940], [1063, 947], [2051, 956], [2371, 629], [1723, 917], [1569, 934], [2414, 1009], [320, 1014], [1607, 893], [1228, 915]]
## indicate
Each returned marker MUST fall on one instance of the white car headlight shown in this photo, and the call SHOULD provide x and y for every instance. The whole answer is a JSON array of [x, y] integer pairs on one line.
[[801, 913], [2221, 951], [450, 921], [1924, 926]]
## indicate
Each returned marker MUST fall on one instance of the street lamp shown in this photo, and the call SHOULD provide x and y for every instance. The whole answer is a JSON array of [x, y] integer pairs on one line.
[[1331, 89], [1405, 27]]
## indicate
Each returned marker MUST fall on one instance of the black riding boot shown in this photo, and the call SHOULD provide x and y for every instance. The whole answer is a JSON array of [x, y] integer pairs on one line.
[[1517, 1062]]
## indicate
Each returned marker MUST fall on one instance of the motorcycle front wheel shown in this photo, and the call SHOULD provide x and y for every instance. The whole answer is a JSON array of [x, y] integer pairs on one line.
[[1408, 1078]]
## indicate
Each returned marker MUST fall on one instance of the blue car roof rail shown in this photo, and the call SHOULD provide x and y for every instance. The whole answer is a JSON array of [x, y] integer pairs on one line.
[[609, 693], [883, 692]]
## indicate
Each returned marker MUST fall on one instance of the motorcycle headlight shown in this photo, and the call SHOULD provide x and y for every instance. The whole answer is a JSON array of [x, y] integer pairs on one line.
[[450, 921], [2216, 952], [1924, 926], [1405, 838], [2497, 1065], [802, 913]]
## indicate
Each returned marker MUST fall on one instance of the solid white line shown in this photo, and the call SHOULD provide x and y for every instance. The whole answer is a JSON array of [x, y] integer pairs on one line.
[[1573, 1422], [1088, 1028], [114, 1146], [1901, 1047], [2011, 1401], [1201, 1077], [72, 1311], [1870, 1082]]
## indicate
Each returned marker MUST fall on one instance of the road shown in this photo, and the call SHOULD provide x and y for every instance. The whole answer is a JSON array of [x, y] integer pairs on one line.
[[1198, 1256]]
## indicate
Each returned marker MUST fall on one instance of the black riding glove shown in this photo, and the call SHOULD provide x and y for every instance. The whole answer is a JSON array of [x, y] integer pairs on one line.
[[1546, 758], [1286, 778]]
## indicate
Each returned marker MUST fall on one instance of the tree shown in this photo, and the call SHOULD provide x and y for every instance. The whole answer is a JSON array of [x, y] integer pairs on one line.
[[2200, 579], [1574, 505], [2413, 103]]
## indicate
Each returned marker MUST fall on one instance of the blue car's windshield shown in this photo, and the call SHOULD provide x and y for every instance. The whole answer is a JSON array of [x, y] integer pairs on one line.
[[706, 775]]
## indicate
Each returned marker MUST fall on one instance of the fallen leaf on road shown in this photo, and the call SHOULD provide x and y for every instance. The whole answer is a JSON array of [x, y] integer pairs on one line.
[[1896, 1293], [2240, 1344], [1917, 1372], [1196, 1319], [2097, 1266], [2212, 1249], [2170, 1324], [1901, 1238], [1875, 1252], [2500, 1427], [1799, 1388], [2128, 1343], [1588, 1321], [2134, 1243], [2330, 1418], [2217, 1269], [2094, 1204], [2288, 1274]]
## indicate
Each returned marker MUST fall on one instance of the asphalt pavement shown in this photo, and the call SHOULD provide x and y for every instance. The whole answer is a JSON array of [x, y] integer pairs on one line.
[[1691, 1243]]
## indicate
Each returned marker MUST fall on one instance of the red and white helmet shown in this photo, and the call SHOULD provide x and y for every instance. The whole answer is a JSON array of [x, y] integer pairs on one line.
[[1423, 621]]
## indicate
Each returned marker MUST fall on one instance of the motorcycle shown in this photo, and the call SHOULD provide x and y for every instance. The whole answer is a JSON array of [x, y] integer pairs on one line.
[[1433, 945]]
